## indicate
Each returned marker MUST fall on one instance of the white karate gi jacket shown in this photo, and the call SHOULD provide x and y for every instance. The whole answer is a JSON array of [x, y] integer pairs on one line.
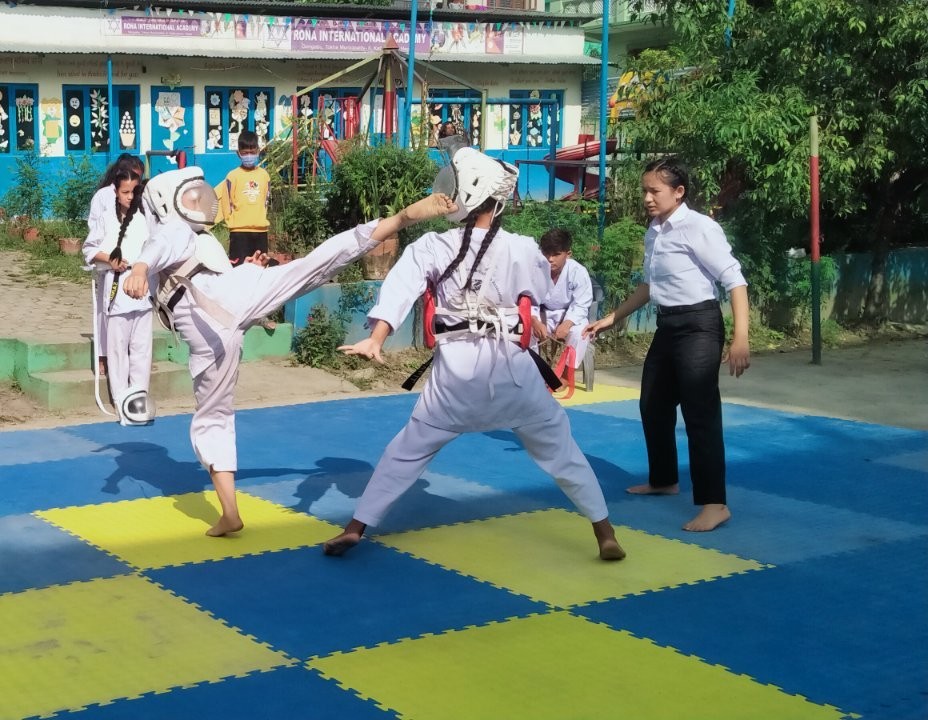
[[476, 384]]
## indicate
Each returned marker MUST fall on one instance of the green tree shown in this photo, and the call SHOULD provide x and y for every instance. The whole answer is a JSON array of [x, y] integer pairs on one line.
[[740, 113]]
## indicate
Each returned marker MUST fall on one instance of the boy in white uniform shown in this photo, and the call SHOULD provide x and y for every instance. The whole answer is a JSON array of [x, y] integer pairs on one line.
[[483, 377], [565, 309], [211, 304]]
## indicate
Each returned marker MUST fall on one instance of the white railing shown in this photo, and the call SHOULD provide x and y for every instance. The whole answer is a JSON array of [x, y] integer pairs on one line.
[[618, 10]]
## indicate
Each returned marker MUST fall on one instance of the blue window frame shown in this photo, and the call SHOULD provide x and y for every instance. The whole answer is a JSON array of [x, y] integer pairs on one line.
[[332, 109], [19, 118], [89, 118], [530, 125], [232, 110], [465, 116]]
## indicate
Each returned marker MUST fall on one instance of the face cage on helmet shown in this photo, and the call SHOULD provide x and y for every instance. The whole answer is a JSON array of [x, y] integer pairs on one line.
[[446, 182], [207, 205]]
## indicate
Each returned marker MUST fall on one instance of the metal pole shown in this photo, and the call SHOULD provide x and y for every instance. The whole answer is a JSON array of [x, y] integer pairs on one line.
[[113, 118], [406, 129], [294, 170], [603, 118], [814, 240], [553, 130], [731, 14]]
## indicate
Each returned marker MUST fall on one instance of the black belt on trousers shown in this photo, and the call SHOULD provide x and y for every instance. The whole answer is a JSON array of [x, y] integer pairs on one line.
[[551, 379], [678, 309]]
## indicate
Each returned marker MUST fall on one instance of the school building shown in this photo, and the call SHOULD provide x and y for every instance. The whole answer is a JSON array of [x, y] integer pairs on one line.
[[77, 78]]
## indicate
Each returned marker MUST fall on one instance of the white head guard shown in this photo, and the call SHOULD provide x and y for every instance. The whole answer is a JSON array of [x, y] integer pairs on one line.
[[471, 177], [135, 407], [184, 193]]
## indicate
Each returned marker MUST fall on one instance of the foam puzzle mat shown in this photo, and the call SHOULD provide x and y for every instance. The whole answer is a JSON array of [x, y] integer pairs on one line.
[[481, 597]]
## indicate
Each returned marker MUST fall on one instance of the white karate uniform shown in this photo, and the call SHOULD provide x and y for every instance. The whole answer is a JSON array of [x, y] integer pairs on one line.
[[249, 293], [570, 299], [477, 384], [102, 205], [125, 322]]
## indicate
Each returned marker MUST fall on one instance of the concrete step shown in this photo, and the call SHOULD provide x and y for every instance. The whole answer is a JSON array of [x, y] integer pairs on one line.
[[62, 389]]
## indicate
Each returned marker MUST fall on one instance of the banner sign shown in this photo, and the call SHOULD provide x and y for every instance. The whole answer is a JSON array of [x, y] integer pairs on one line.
[[321, 34]]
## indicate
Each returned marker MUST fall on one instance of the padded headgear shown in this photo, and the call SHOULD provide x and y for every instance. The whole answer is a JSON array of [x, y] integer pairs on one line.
[[471, 177], [136, 407], [184, 193]]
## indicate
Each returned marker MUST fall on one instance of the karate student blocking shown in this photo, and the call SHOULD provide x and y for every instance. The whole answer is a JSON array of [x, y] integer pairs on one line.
[[210, 304], [484, 377]]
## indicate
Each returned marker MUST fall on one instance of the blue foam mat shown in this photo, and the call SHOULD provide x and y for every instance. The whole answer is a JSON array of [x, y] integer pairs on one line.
[[839, 507], [306, 604]]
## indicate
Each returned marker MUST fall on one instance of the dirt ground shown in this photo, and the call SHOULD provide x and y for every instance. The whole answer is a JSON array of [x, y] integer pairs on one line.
[[279, 382]]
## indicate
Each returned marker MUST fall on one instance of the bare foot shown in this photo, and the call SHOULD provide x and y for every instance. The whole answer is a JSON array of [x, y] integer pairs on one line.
[[609, 548], [341, 544], [647, 489], [429, 207], [225, 526], [709, 518]]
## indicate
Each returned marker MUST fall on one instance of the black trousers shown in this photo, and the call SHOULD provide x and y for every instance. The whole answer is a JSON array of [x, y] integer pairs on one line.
[[245, 244], [682, 368]]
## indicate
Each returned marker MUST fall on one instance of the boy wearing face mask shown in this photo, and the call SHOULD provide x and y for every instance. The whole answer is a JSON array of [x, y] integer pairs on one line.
[[243, 198]]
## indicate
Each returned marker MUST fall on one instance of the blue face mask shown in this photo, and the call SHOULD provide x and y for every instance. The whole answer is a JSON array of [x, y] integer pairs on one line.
[[249, 161]]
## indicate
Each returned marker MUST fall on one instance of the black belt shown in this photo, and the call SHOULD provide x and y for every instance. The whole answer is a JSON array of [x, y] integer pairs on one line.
[[179, 293], [441, 328], [551, 379], [678, 309]]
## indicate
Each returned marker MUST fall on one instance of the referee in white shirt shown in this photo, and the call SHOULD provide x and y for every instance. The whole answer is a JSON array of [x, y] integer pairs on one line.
[[686, 257]]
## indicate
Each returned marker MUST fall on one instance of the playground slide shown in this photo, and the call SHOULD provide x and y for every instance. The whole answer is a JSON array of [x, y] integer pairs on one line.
[[330, 145], [583, 181]]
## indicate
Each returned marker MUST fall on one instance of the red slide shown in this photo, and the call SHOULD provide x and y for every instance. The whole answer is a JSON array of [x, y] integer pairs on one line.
[[582, 180], [330, 145]]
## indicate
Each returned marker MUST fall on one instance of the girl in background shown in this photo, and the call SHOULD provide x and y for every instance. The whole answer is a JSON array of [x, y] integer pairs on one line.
[[116, 241], [102, 206]]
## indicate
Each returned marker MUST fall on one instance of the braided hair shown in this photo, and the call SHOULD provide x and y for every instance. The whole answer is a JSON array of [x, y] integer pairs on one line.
[[124, 163], [487, 205], [134, 206]]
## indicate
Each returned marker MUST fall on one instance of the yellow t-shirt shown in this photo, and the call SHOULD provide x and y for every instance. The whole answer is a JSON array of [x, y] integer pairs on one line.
[[243, 199]]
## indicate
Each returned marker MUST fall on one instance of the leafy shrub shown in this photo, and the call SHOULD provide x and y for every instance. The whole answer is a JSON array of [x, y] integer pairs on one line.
[[317, 344], [27, 194], [377, 181], [302, 221], [534, 219], [617, 261], [76, 188]]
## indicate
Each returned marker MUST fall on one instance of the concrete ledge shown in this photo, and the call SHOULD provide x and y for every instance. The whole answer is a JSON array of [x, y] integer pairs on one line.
[[65, 389]]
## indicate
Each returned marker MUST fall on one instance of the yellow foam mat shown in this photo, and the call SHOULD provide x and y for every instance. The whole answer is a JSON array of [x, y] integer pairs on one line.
[[560, 667], [600, 393], [551, 556], [93, 642], [161, 531]]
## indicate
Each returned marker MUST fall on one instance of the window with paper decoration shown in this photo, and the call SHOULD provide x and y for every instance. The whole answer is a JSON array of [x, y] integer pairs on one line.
[[18, 118], [232, 110], [90, 119], [530, 123]]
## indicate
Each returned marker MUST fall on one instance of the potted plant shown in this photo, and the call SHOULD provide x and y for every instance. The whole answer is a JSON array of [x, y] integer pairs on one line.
[[71, 203], [371, 182], [25, 199]]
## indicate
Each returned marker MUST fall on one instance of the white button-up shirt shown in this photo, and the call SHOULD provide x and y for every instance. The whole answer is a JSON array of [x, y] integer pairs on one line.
[[685, 256]]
